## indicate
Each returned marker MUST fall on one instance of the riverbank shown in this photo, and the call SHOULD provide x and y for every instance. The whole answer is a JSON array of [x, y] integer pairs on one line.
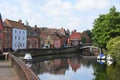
[[48, 51], [89, 57], [6, 71]]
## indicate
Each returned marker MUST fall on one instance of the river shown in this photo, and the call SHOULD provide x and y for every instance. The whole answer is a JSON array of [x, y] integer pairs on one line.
[[73, 67]]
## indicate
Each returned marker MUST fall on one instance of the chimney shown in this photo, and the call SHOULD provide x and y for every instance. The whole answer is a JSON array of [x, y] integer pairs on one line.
[[20, 21], [74, 30], [35, 26]]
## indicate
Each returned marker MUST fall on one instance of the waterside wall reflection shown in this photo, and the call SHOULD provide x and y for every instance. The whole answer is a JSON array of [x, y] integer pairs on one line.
[[72, 67]]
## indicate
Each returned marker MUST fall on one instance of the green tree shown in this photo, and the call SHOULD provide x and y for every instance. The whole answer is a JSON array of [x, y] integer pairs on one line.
[[83, 39], [105, 27], [113, 47], [89, 33]]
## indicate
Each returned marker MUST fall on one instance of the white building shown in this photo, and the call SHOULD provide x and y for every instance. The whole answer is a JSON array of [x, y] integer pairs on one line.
[[19, 34], [19, 39]]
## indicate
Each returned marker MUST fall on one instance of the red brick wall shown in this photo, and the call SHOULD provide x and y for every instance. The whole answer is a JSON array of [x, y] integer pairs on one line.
[[1, 35]]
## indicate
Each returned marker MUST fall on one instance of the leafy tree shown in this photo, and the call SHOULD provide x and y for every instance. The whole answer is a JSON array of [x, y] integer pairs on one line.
[[83, 39], [89, 33], [105, 27], [113, 42], [113, 47]]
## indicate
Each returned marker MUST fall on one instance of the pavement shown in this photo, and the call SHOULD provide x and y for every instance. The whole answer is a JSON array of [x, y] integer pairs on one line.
[[6, 71]]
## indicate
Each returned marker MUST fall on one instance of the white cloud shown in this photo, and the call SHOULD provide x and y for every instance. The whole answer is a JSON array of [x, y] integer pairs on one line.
[[92, 4], [79, 15], [8, 10], [57, 8]]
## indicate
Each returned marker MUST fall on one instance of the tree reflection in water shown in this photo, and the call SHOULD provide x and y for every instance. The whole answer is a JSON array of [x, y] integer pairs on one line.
[[73, 67]]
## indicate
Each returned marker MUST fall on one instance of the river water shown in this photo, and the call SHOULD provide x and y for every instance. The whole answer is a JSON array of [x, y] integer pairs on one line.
[[73, 67]]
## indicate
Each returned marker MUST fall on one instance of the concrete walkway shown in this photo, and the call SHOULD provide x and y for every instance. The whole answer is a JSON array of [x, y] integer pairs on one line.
[[6, 71]]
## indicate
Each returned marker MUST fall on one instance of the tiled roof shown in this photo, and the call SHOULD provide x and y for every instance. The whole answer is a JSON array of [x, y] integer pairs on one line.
[[50, 30], [44, 36], [29, 28], [75, 35], [14, 24]]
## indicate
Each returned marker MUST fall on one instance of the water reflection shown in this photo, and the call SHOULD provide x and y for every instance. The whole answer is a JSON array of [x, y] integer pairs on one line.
[[69, 67], [108, 62], [73, 67]]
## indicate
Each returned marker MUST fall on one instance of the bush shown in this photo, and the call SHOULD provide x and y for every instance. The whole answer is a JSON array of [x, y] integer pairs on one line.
[[113, 47]]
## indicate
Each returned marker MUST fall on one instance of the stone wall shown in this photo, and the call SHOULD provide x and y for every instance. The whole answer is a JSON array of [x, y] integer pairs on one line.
[[48, 51], [23, 72]]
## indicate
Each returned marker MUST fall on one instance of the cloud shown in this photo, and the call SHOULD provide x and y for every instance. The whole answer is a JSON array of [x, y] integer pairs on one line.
[[80, 74], [92, 4], [57, 8], [71, 14]]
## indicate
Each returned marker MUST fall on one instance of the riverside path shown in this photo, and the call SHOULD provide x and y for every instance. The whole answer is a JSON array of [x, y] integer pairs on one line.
[[6, 71]]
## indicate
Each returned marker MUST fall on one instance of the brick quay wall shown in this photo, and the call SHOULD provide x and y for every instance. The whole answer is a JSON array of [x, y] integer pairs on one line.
[[23, 72], [48, 51]]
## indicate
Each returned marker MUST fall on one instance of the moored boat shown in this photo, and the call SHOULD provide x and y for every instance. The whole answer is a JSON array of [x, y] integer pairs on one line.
[[101, 56], [28, 57]]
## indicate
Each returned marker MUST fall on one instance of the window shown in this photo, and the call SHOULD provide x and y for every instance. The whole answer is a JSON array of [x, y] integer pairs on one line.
[[23, 45], [23, 32], [15, 37], [0, 31], [19, 32], [23, 38], [15, 31], [15, 45], [0, 39], [19, 38]]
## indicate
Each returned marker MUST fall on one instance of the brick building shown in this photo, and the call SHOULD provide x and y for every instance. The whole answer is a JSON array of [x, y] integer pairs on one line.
[[1, 34], [19, 34], [74, 38], [33, 40]]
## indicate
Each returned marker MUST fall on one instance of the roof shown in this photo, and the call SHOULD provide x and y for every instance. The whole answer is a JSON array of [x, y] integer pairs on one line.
[[44, 36], [49, 30], [14, 24], [52, 30], [75, 35]]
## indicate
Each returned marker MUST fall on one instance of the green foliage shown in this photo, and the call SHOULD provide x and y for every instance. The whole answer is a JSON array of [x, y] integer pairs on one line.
[[83, 39], [105, 27], [113, 72], [113, 47], [113, 42], [89, 33]]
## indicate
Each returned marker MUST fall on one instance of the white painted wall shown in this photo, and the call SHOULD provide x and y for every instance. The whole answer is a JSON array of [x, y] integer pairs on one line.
[[19, 39]]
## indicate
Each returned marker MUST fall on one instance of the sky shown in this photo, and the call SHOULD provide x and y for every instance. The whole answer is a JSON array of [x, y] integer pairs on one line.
[[80, 74], [70, 14]]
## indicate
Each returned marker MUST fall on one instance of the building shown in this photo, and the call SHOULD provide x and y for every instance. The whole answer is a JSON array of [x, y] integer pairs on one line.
[[19, 34], [7, 38], [32, 37], [1, 34], [74, 64], [74, 39], [51, 37]]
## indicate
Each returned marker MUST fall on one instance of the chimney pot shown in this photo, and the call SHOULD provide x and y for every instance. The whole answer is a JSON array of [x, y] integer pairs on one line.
[[20, 21]]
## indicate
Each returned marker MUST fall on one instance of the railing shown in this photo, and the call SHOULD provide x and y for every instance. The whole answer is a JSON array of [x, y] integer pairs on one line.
[[23, 72]]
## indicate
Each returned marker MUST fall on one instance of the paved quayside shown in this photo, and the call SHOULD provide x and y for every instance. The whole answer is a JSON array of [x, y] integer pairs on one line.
[[6, 71]]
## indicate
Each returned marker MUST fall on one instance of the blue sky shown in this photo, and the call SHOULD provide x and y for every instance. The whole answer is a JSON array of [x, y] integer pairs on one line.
[[69, 14]]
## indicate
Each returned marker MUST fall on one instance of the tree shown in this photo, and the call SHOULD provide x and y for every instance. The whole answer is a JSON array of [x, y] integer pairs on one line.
[[89, 33], [105, 27], [83, 39], [113, 47]]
